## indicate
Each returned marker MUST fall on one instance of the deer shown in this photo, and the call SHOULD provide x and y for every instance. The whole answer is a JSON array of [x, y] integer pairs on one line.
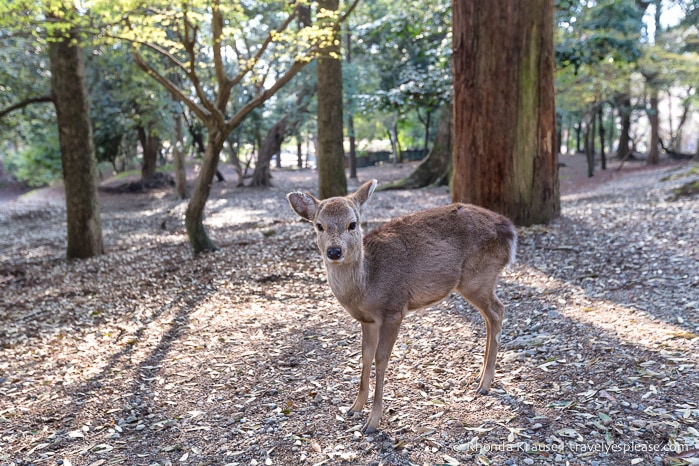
[[408, 263]]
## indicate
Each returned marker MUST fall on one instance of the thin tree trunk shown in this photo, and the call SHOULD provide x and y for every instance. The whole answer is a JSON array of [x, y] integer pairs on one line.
[[559, 133], [352, 146], [331, 155], [623, 150], [578, 141], [589, 135], [194, 216], [602, 154], [654, 151], [393, 136], [504, 113], [178, 157], [350, 112], [299, 152], [77, 151]]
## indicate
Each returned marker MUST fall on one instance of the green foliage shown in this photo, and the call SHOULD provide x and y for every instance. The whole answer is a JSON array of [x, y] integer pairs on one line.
[[39, 162], [122, 99], [400, 68], [410, 50], [605, 31]]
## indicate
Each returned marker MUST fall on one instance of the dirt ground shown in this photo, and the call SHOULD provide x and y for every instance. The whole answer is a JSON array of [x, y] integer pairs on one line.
[[149, 355]]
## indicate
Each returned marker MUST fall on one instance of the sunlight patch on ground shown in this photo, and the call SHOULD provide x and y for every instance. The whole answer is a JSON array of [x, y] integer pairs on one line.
[[228, 216], [622, 320]]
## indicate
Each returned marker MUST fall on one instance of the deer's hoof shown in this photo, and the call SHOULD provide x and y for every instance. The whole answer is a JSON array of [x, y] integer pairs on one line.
[[482, 391], [368, 428]]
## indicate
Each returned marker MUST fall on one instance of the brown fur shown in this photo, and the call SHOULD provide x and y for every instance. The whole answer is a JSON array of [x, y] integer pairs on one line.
[[409, 263]]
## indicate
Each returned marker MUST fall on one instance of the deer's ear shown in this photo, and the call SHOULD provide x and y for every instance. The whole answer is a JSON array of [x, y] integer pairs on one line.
[[364, 192], [303, 204]]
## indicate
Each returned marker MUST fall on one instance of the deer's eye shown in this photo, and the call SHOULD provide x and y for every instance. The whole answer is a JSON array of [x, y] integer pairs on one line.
[[319, 227], [352, 226]]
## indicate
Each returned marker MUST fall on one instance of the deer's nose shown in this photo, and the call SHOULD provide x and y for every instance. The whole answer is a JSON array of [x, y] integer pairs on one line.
[[334, 253]]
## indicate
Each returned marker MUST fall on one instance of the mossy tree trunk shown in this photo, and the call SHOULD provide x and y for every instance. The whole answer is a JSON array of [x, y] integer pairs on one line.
[[504, 112], [77, 150]]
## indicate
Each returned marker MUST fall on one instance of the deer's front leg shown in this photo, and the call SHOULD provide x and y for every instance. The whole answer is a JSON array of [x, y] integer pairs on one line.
[[387, 337], [370, 339]]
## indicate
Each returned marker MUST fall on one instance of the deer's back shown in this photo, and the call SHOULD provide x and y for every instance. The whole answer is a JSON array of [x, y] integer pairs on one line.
[[419, 258]]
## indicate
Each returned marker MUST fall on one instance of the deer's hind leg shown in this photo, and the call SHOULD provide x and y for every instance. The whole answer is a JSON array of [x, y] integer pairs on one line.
[[481, 293]]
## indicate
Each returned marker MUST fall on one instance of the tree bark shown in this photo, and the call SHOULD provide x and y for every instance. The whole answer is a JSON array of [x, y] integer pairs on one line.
[[77, 150], [654, 151], [350, 112], [435, 168], [623, 150], [578, 129], [504, 112], [590, 145], [271, 145], [299, 152], [331, 154], [178, 157], [602, 153], [150, 144], [427, 123], [194, 216]]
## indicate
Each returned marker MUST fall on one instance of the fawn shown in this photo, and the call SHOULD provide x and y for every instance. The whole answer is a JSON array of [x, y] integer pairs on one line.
[[408, 263]]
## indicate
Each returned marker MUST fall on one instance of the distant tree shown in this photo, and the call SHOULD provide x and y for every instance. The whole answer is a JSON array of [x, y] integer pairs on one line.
[[265, 53], [436, 167], [125, 105], [504, 114]]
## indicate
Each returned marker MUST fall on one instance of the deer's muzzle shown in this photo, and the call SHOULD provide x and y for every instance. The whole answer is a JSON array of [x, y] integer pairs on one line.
[[334, 253]]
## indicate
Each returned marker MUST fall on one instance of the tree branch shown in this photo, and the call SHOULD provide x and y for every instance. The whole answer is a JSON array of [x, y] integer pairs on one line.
[[347, 12], [252, 62], [201, 112], [261, 98], [24, 103]]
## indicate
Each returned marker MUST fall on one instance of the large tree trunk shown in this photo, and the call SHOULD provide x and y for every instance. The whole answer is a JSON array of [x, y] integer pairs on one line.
[[77, 151], [331, 154], [271, 145], [435, 168], [504, 112], [194, 217]]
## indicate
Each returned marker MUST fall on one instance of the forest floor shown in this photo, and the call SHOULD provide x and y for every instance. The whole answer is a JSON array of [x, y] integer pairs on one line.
[[149, 355]]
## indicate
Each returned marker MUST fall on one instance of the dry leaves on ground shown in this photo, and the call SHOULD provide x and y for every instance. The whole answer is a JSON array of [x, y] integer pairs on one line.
[[148, 355]]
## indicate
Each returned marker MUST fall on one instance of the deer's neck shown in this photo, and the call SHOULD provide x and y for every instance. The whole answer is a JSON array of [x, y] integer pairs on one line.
[[348, 282]]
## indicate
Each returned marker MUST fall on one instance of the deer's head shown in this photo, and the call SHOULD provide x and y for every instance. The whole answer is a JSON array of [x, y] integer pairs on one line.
[[336, 221]]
